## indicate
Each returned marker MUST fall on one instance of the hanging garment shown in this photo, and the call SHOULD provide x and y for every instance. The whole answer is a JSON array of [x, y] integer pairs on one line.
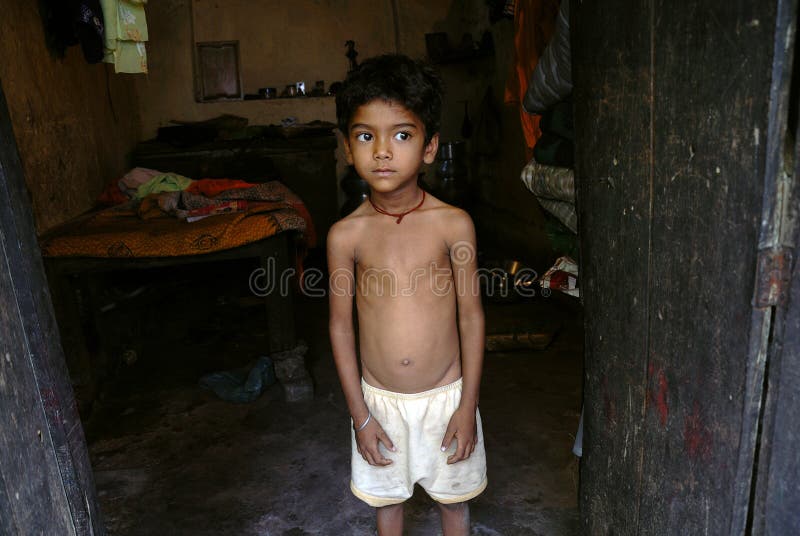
[[89, 29], [69, 22], [126, 34], [534, 22], [551, 81]]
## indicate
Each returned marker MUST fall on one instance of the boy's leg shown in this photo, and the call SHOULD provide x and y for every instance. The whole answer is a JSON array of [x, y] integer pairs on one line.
[[390, 520], [455, 519]]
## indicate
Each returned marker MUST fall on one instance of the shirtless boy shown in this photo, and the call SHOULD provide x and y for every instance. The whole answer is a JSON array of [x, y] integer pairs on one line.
[[409, 261]]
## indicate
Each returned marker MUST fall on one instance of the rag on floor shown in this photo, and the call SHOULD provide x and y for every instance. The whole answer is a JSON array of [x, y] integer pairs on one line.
[[241, 385]]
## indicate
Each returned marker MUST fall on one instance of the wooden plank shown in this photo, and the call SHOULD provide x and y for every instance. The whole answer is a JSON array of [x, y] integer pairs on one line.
[[777, 491], [699, 90], [7, 524], [777, 498], [711, 95], [612, 77], [50, 392], [33, 499]]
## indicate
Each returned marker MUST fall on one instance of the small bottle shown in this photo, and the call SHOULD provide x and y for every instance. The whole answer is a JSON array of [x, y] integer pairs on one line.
[[451, 174]]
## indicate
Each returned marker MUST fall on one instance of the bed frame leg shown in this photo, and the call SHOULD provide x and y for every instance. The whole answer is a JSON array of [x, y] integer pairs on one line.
[[280, 309], [287, 353]]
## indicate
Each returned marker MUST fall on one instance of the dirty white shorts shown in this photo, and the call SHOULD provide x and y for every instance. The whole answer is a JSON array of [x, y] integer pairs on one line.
[[416, 424]]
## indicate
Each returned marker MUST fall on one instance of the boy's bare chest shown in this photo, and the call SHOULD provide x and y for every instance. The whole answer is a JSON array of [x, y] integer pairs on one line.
[[403, 255]]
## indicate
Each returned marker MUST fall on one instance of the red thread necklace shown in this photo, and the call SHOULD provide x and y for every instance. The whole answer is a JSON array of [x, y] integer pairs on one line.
[[402, 214]]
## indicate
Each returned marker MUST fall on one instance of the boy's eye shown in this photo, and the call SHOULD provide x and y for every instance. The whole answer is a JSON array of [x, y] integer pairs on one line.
[[364, 136], [402, 136]]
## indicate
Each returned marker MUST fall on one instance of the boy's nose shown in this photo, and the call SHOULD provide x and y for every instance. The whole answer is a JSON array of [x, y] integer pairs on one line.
[[382, 150]]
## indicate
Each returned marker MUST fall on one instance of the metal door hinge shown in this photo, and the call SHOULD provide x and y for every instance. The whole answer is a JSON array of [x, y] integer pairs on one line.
[[774, 271]]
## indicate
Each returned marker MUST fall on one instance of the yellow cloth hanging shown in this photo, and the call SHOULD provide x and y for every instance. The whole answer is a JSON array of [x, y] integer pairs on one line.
[[126, 34]]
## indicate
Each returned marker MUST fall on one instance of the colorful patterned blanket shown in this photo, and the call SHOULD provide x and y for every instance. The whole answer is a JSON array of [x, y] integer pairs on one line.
[[121, 231]]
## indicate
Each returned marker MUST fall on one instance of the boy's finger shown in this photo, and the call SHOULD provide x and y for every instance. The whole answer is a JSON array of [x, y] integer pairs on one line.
[[456, 456], [379, 458], [460, 451], [448, 439], [384, 438]]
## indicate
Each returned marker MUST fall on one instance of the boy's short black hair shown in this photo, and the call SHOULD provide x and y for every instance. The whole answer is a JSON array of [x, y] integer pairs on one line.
[[394, 78]]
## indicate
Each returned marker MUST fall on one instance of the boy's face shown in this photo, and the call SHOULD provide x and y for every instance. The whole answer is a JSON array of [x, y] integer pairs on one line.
[[386, 144]]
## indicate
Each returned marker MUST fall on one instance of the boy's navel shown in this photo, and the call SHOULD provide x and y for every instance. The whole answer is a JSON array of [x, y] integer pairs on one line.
[[405, 362]]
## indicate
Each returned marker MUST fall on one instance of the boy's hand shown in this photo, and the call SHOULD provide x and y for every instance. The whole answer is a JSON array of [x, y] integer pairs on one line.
[[464, 429], [367, 443]]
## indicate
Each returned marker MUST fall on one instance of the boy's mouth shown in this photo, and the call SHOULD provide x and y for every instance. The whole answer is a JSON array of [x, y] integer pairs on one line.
[[382, 170]]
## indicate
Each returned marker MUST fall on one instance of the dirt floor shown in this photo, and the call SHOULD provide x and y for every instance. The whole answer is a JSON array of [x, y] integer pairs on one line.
[[172, 458]]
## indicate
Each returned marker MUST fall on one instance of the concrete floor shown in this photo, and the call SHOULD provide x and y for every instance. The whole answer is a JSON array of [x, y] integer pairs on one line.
[[171, 458]]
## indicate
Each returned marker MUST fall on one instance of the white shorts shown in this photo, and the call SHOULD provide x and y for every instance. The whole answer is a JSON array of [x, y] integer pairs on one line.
[[416, 424]]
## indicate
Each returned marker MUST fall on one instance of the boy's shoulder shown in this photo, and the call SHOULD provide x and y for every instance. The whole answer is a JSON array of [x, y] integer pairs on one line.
[[453, 217], [347, 227]]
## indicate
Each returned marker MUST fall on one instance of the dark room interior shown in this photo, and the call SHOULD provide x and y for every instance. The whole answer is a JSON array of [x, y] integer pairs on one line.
[[170, 171]]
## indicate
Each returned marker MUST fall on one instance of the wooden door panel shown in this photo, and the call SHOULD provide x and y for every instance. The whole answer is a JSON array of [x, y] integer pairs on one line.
[[711, 91], [43, 454], [611, 107], [33, 500], [675, 110]]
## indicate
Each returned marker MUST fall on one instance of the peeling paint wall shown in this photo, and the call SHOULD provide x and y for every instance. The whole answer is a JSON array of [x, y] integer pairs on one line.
[[75, 123], [274, 51]]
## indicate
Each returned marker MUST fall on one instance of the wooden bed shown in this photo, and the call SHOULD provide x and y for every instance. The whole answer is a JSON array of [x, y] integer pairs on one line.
[[117, 239]]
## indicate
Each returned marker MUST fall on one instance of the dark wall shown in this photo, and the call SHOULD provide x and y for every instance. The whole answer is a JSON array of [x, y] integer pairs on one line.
[[75, 123]]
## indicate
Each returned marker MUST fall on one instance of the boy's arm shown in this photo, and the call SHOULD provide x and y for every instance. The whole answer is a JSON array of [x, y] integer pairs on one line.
[[341, 265], [463, 258]]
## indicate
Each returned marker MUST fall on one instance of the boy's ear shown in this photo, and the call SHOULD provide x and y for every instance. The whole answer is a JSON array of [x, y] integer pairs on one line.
[[431, 149]]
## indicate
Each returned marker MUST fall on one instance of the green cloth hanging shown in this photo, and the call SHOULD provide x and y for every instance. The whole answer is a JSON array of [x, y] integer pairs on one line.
[[125, 35]]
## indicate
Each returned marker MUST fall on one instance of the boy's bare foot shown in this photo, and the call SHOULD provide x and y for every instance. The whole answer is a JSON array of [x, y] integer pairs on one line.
[[390, 520], [455, 519]]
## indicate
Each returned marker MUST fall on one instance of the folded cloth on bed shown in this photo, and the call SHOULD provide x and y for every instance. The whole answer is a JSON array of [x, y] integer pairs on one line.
[[214, 187], [166, 182], [130, 182], [119, 232]]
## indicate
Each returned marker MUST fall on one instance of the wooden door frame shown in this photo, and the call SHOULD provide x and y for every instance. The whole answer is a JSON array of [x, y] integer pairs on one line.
[[46, 480], [688, 224]]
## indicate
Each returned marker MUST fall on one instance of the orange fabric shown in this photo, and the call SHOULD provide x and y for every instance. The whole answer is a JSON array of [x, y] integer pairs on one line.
[[213, 187], [535, 21], [112, 195], [310, 232], [120, 232]]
